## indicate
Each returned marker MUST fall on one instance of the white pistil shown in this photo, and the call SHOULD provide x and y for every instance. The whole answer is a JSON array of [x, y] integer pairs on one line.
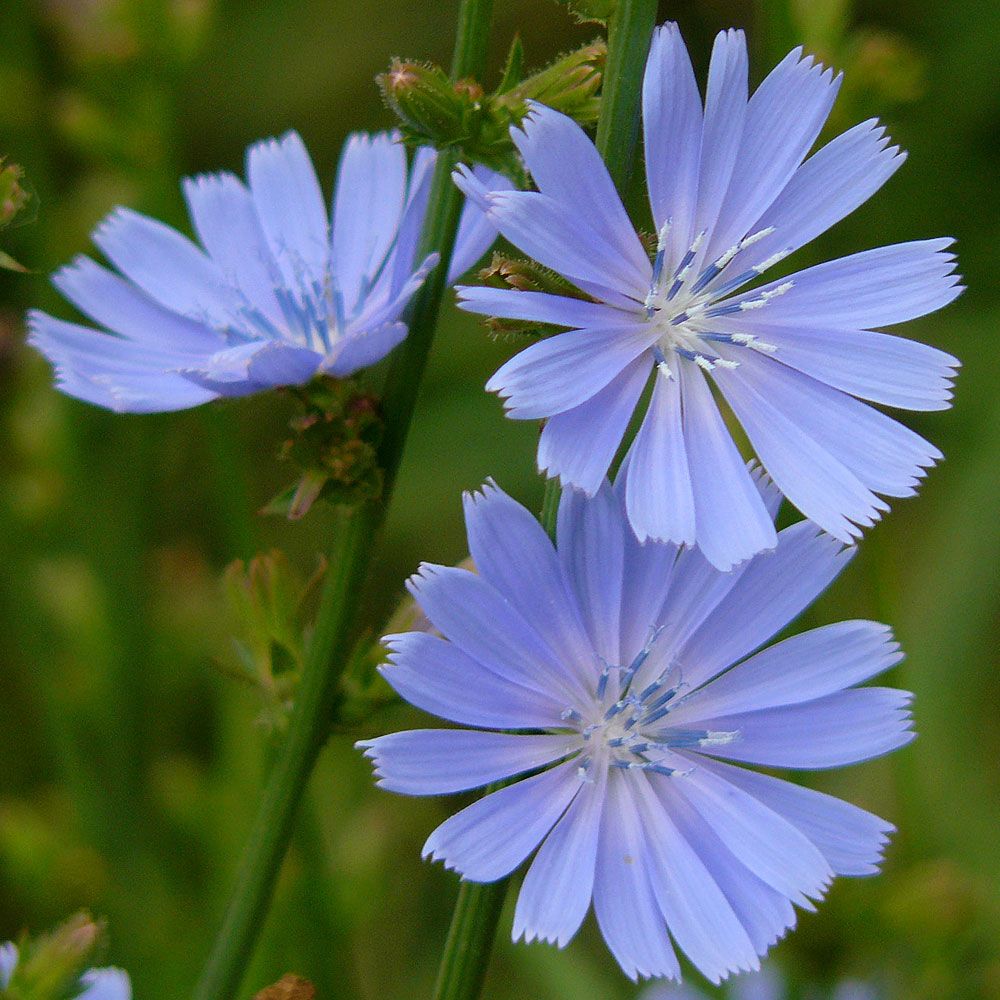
[[769, 262]]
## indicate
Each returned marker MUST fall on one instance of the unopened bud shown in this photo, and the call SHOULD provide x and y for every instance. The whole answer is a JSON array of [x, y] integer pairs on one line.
[[570, 84], [49, 967], [431, 108]]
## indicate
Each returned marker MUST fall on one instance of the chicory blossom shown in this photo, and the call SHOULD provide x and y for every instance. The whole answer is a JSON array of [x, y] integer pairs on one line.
[[278, 295], [615, 686], [95, 984], [767, 984], [732, 194]]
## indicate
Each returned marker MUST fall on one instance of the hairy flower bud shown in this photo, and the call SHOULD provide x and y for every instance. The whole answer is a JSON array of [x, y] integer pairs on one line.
[[430, 106], [13, 198], [50, 965]]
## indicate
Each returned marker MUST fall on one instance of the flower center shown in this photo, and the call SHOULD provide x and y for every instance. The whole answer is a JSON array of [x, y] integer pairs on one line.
[[683, 301], [629, 727]]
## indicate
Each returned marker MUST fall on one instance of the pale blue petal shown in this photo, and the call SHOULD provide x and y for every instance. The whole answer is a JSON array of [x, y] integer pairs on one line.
[[658, 493], [105, 984], [385, 306], [489, 839], [562, 372], [873, 288], [559, 238], [115, 303], [368, 205], [513, 553], [591, 546], [875, 366], [290, 207], [800, 668], [438, 677], [361, 348], [783, 119], [626, 909], [476, 233], [557, 888], [646, 581], [112, 372], [168, 267], [732, 522], [483, 623], [698, 915], [538, 307], [830, 185], [763, 985], [852, 990], [767, 844], [441, 761], [822, 487], [567, 168], [672, 120], [765, 913], [225, 219], [842, 728], [850, 839], [725, 114], [404, 253], [768, 594], [251, 367], [578, 445], [8, 961], [884, 455]]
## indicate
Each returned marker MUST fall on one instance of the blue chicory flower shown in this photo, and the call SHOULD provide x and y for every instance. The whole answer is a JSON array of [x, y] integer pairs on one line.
[[730, 197], [767, 984], [277, 296], [97, 984], [608, 666]]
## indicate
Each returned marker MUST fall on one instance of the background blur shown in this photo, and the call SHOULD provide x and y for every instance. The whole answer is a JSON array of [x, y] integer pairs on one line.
[[130, 756]]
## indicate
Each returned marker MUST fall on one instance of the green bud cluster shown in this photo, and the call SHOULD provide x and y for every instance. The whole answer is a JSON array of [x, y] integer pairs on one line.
[[270, 604], [334, 444], [524, 275], [13, 198], [50, 966], [437, 111]]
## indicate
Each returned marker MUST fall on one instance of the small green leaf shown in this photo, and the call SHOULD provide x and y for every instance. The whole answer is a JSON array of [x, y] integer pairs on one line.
[[514, 70]]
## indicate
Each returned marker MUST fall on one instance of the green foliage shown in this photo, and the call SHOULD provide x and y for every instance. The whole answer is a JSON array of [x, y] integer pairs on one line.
[[272, 607], [591, 10]]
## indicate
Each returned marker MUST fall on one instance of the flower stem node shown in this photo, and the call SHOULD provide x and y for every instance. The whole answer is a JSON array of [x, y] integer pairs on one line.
[[333, 443]]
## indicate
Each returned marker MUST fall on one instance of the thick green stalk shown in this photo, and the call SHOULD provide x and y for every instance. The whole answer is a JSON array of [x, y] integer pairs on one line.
[[349, 560], [477, 909], [630, 31], [470, 940]]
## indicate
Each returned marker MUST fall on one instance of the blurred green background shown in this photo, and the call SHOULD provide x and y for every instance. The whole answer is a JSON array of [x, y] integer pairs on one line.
[[130, 757]]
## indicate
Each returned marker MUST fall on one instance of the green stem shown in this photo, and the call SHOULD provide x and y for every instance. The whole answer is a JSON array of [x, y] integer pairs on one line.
[[470, 939], [349, 560], [477, 909], [630, 31], [550, 507], [314, 703]]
